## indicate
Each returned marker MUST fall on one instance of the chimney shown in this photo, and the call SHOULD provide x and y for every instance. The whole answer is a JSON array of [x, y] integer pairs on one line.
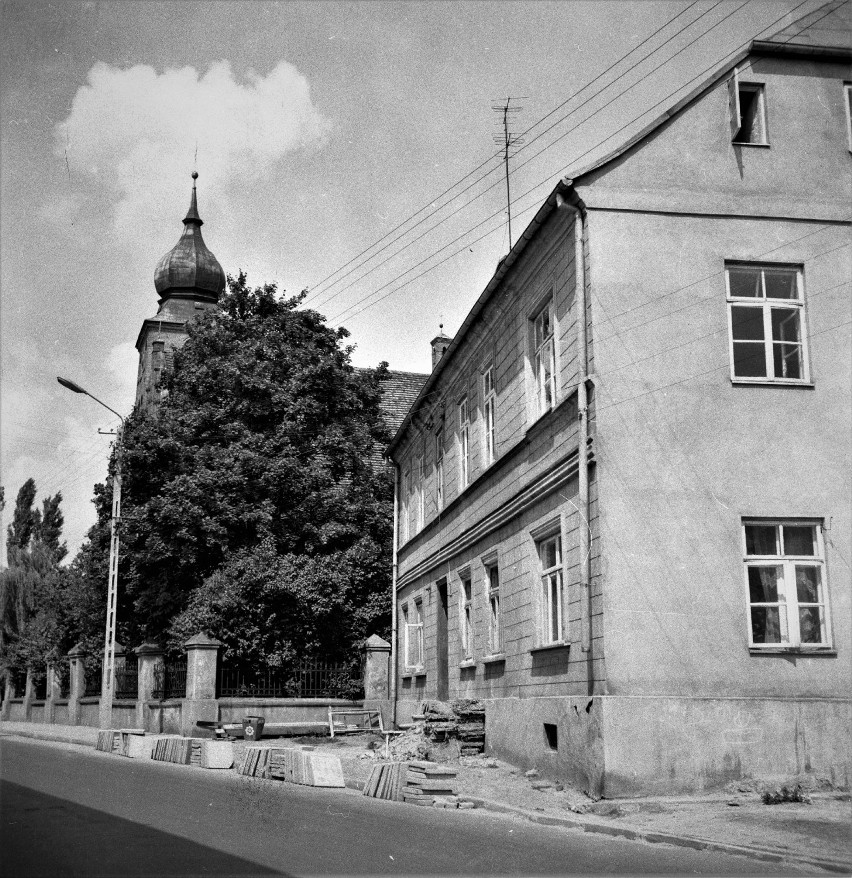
[[440, 343]]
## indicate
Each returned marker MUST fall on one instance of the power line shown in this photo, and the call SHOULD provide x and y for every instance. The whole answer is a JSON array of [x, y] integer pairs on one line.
[[668, 97], [483, 164]]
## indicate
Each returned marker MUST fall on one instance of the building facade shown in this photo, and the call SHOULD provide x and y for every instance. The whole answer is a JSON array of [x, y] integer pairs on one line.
[[624, 515]]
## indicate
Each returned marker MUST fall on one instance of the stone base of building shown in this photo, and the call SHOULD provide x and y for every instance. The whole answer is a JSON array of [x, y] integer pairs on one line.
[[616, 746]]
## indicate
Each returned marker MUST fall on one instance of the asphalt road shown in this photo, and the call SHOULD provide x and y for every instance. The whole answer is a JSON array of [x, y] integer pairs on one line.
[[70, 811]]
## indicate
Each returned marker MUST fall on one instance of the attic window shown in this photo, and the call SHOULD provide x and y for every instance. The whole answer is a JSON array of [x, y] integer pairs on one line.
[[747, 112]]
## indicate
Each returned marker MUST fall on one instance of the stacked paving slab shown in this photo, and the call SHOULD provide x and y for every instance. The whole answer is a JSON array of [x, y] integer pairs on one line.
[[299, 765], [463, 719], [417, 783]]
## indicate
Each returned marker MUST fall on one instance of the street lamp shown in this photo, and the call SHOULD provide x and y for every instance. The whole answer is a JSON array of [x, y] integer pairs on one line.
[[107, 674]]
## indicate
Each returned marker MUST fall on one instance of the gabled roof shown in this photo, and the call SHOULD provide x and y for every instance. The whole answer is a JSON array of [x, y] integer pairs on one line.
[[828, 25], [823, 33], [399, 390]]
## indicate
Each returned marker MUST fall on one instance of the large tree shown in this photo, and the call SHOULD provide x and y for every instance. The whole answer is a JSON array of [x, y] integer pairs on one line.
[[32, 605], [251, 506]]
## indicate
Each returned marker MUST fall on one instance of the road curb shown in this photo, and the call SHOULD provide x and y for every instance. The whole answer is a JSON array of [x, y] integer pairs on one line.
[[652, 837]]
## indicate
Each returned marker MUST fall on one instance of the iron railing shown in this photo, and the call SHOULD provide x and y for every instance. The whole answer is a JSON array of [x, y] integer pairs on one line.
[[170, 680], [309, 678], [94, 676], [63, 677], [127, 681], [40, 688]]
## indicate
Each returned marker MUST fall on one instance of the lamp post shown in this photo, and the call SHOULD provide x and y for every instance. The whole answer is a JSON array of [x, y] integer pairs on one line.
[[108, 671]]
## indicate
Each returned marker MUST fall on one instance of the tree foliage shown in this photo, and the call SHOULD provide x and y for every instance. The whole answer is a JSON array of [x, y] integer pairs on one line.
[[33, 611], [250, 505]]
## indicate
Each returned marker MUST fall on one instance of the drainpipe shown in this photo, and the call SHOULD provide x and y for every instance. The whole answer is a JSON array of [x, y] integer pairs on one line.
[[583, 416], [394, 569]]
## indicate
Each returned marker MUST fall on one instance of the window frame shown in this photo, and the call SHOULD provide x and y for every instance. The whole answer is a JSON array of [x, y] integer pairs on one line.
[[766, 305], [495, 620], [541, 351], [413, 633], [420, 507], [440, 493], [735, 88], [489, 406], [546, 577], [466, 627], [789, 604], [847, 104], [463, 412]]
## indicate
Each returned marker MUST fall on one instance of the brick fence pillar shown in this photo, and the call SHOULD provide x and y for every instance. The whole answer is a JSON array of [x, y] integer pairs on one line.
[[377, 676], [52, 693], [77, 682], [8, 695], [148, 656], [200, 704]]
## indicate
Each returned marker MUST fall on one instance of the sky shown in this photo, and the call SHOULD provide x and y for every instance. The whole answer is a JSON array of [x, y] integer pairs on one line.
[[347, 148]]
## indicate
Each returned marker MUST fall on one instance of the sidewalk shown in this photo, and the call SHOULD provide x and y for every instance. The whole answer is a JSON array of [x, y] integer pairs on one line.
[[815, 836]]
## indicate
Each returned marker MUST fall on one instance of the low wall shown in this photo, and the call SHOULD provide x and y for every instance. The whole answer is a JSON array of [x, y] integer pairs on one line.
[[123, 714], [280, 710], [37, 712], [664, 745], [515, 731], [90, 711], [60, 713], [163, 717], [16, 710]]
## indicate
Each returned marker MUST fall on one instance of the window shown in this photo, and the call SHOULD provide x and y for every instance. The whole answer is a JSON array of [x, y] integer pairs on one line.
[[785, 579], [420, 500], [495, 633], [550, 560], [489, 399], [439, 469], [464, 444], [466, 616], [413, 627], [765, 305], [847, 94], [544, 360], [747, 107], [403, 516]]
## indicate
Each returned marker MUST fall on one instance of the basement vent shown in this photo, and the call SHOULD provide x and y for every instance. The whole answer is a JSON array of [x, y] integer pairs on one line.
[[550, 736]]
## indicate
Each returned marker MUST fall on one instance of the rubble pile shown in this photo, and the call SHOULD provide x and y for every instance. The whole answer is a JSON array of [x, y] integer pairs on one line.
[[463, 719]]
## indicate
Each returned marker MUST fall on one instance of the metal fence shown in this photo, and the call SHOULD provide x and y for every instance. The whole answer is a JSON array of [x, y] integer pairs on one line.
[[309, 678], [40, 688], [170, 680], [93, 681], [127, 681]]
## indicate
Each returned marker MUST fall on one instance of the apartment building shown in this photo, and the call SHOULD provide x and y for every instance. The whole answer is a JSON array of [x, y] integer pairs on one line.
[[623, 491]]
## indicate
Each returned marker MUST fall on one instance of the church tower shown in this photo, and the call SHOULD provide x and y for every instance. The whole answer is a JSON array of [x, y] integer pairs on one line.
[[189, 281]]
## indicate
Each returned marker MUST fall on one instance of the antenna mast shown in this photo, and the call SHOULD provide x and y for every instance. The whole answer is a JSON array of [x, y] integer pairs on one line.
[[507, 140]]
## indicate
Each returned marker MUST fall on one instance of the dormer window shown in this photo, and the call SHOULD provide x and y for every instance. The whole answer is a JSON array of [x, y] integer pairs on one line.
[[747, 112]]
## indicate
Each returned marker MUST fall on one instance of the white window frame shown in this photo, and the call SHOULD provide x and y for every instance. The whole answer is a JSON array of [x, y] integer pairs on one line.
[[413, 634], [766, 305], [419, 517], [495, 621], [464, 443], [735, 87], [489, 404], [788, 604], [544, 358], [551, 580], [466, 614], [439, 468], [404, 511], [847, 102]]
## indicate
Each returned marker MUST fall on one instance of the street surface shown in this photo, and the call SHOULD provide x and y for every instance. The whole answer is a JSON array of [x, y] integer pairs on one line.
[[70, 811]]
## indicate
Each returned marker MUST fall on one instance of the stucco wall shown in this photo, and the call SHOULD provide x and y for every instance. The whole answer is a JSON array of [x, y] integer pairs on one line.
[[684, 453], [662, 746]]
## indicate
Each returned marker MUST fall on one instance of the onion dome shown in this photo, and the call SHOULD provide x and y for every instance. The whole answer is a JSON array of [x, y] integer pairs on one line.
[[189, 270]]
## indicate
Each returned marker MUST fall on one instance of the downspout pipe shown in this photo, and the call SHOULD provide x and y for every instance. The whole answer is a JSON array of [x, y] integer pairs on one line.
[[394, 572], [583, 417]]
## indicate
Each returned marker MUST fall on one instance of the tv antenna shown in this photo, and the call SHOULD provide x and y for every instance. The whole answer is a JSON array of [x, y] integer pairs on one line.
[[507, 140]]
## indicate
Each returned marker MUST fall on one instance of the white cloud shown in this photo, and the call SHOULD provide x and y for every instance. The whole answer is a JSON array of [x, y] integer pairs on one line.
[[135, 132], [123, 364]]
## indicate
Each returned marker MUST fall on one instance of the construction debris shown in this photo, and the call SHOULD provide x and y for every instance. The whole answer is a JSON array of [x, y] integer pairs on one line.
[[463, 720]]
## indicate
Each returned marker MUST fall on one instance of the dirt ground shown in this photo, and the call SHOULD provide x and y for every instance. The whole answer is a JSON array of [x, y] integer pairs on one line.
[[821, 829]]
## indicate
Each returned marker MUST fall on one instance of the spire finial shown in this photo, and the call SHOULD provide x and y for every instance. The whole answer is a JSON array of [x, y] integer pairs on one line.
[[192, 215]]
